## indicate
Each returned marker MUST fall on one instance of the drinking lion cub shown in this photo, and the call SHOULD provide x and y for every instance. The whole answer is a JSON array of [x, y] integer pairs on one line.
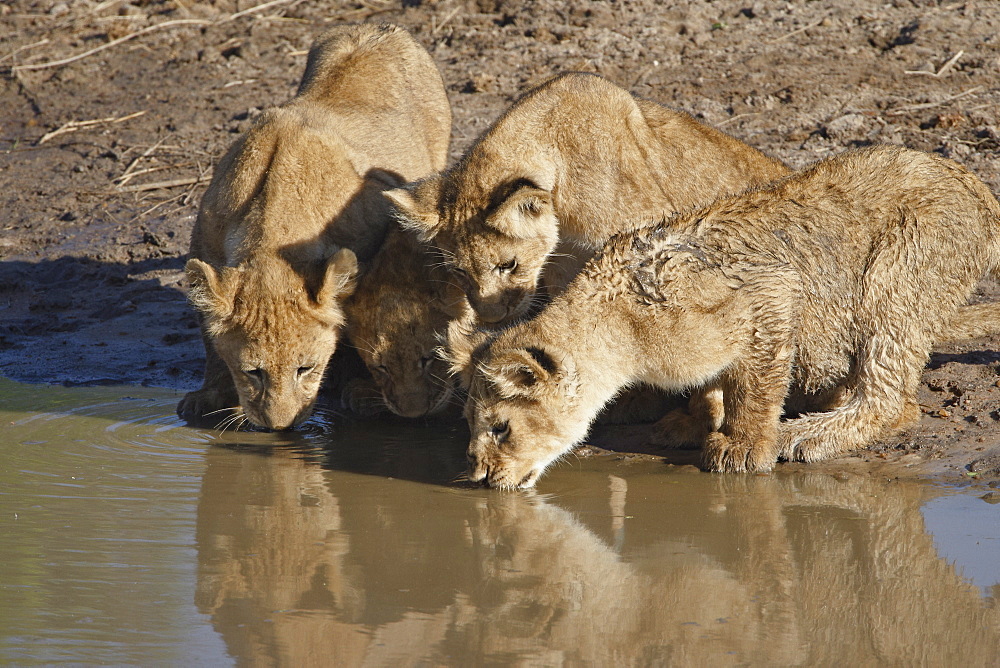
[[292, 206], [834, 282], [575, 160], [395, 318]]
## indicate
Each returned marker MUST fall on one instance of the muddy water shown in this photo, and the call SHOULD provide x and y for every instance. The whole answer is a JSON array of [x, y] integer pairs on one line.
[[128, 538]]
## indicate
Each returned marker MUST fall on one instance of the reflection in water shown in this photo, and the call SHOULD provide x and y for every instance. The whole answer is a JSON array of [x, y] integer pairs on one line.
[[126, 538], [298, 563]]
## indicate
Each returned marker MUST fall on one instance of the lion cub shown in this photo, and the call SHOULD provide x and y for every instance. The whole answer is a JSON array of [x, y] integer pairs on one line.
[[834, 281], [396, 318], [291, 207], [576, 160]]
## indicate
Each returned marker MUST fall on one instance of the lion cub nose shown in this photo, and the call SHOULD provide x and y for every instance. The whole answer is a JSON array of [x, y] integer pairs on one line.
[[477, 471], [280, 419]]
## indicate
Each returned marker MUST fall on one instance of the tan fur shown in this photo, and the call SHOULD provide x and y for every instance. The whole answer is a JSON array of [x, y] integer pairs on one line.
[[396, 319], [835, 281], [576, 160], [292, 205]]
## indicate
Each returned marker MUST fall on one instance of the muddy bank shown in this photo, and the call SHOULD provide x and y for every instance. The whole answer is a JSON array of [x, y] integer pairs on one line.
[[103, 159]]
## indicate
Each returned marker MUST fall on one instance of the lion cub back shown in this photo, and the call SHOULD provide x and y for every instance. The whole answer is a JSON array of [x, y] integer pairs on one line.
[[402, 107]]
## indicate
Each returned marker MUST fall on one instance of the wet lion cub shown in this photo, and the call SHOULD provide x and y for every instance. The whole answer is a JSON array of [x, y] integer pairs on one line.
[[292, 206], [835, 281], [576, 160]]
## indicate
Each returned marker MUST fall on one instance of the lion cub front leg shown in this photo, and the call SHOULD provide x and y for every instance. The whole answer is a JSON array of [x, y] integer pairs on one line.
[[753, 396], [217, 391]]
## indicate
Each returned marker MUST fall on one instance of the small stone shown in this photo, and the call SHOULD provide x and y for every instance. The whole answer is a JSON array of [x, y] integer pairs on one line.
[[848, 125], [949, 120]]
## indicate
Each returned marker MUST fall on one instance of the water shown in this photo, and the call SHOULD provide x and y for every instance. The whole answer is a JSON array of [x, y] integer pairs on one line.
[[128, 538]]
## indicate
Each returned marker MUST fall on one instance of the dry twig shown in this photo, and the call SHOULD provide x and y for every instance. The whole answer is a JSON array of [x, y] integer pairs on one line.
[[437, 28], [931, 105], [738, 116], [123, 180], [114, 42], [146, 31], [796, 32], [73, 126], [175, 183], [944, 68], [24, 48], [127, 174], [255, 9]]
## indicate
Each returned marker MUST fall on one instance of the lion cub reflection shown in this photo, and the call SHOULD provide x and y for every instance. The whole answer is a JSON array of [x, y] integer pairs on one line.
[[835, 281]]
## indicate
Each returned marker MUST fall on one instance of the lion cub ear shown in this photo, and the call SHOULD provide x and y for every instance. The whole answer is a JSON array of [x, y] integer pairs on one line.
[[339, 278], [525, 213], [459, 346], [211, 292], [417, 206], [521, 372]]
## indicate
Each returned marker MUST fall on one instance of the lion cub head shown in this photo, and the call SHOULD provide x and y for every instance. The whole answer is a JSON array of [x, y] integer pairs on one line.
[[396, 318], [495, 240], [525, 409], [275, 329]]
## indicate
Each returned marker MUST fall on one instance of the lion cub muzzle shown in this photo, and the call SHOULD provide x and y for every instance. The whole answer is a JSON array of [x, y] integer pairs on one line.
[[502, 307], [409, 404], [281, 399], [493, 468], [501, 475]]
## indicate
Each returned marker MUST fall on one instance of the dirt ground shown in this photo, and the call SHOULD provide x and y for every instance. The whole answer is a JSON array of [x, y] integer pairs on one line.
[[113, 113]]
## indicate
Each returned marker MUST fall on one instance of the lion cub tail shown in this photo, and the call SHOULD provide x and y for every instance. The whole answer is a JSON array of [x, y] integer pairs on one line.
[[973, 321]]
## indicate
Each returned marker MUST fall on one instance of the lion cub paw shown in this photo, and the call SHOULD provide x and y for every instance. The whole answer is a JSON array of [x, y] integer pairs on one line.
[[727, 456], [205, 404], [804, 449]]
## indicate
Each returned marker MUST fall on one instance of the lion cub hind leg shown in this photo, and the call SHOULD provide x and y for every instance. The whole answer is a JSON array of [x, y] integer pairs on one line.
[[689, 427], [884, 401]]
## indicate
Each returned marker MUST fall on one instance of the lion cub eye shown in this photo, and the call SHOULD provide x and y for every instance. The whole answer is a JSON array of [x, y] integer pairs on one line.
[[257, 374], [500, 431], [507, 267], [304, 371], [382, 369], [425, 362]]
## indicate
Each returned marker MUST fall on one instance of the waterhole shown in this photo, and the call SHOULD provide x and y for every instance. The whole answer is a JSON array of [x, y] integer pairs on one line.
[[127, 537]]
